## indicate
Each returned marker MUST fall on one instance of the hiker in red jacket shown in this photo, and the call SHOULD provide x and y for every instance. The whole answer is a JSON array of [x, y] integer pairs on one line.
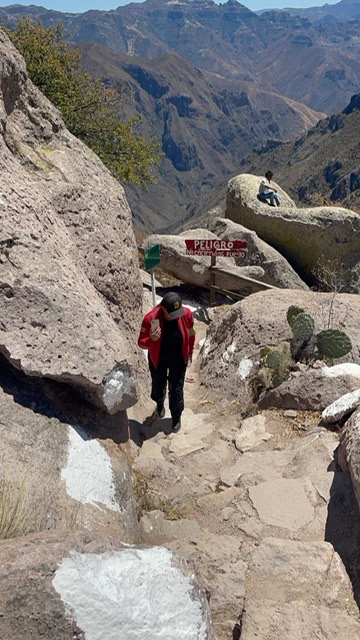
[[168, 333]]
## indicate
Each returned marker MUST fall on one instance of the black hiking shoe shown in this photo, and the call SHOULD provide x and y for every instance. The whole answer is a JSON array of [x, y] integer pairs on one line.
[[156, 415], [160, 409], [176, 425]]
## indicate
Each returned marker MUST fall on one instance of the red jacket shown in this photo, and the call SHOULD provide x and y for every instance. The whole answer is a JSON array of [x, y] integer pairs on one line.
[[185, 324]]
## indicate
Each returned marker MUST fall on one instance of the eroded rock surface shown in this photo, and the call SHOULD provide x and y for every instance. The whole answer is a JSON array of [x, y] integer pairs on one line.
[[277, 269], [90, 586], [195, 270], [315, 389], [307, 238], [349, 451], [68, 259], [230, 354]]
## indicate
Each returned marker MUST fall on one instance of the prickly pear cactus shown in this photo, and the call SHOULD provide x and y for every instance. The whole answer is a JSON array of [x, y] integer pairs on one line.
[[273, 359], [265, 378], [303, 326], [292, 313], [333, 343], [264, 351]]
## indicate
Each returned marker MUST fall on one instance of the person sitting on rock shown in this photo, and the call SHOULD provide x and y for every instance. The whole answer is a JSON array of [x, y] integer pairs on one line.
[[267, 191]]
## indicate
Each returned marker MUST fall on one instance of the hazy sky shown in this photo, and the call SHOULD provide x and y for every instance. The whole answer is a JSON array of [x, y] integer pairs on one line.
[[78, 6]]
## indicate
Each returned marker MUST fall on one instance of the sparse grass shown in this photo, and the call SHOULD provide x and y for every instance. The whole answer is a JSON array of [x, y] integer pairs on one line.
[[15, 509], [147, 499]]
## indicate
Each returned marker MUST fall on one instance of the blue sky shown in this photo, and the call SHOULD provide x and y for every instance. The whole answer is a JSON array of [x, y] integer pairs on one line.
[[78, 6]]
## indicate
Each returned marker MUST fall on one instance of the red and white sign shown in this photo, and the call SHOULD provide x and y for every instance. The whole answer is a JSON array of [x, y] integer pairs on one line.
[[217, 247]]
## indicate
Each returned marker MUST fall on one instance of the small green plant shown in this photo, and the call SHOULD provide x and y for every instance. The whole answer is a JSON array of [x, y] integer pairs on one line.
[[327, 345], [276, 366], [305, 346]]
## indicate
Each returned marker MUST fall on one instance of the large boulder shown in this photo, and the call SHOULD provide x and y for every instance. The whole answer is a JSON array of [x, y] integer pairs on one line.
[[349, 450], [69, 280], [195, 270], [298, 590], [307, 238], [315, 389], [230, 355], [51, 443], [277, 270], [82, 585]]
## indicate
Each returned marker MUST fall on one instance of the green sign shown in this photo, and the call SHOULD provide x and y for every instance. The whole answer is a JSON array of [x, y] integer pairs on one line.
[[152, 257]]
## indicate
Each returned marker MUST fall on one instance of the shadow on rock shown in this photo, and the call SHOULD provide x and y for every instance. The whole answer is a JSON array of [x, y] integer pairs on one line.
[[60, 401], [140, 431], [343, 526]]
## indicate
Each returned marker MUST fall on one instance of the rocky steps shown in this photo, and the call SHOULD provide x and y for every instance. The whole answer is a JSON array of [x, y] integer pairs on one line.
[[262, 509]]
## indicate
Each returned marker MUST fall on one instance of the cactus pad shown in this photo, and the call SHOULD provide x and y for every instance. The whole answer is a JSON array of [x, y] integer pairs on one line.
[[273, 359], [333, 343], [303, 326], [264, 351], [292, 313]]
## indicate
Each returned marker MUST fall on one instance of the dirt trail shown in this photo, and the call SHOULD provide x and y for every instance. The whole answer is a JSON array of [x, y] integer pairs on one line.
[[231, 500]]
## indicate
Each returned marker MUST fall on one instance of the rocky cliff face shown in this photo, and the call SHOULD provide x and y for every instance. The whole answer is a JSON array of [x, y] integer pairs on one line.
[[68, 259], [70, 299]]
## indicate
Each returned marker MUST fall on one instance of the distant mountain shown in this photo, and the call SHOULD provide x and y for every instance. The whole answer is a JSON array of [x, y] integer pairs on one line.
[[212, 83], [317, 65], [328, 13], [321, 167], [205, 131]]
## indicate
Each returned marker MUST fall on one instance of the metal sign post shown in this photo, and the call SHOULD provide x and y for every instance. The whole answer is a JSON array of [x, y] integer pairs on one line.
[[151, 259]]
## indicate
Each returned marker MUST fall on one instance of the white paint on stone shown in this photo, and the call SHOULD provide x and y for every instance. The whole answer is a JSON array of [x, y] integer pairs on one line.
[[343, 405], [130, 594], [228, 354], [198, 268], [117, 384], [244, 368], [343, 369], [205, 346], [88, 474]]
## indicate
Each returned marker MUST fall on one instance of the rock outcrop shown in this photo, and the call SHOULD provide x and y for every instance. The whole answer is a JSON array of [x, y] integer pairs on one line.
[[51, 442], [349, 451], [195, 270], [68, 258], [230, 354], [315, 389], [308, 238], [277, 270], [83, 585]]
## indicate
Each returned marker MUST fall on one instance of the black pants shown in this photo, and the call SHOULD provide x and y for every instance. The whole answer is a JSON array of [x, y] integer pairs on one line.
[[174, 372]]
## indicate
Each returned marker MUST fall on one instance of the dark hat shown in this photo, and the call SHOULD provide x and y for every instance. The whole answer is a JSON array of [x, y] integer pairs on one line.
[[173, 304]]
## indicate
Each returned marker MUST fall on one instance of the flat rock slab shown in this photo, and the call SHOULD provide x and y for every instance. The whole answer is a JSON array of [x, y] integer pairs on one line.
[[195, 428], [286, 570], [282, 503], [252, 433], [264, 465], [297, 621]]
